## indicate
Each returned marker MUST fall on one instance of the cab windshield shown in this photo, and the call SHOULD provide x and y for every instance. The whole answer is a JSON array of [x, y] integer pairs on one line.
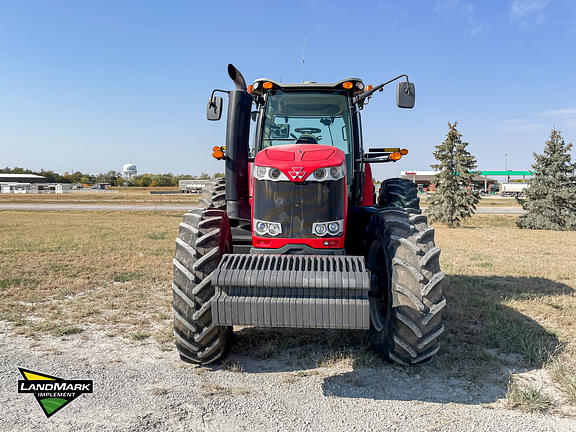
[[308, 118]]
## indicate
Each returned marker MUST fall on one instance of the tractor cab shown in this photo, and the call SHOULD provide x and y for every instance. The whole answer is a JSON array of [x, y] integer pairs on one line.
[[303, 167], [318, 114]]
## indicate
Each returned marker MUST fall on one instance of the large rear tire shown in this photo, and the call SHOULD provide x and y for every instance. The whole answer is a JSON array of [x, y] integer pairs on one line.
[[397, 192], [203, 238], [214, 194], [406, 292]]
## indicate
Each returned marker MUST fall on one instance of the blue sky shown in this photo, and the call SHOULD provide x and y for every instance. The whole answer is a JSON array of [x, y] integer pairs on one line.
[[90, 85]]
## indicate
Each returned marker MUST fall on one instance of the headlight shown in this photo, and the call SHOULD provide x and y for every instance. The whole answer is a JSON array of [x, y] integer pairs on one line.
[[274, 229], [260, 171], [275, 173], [269, 173], [328, 228], [263, 228], [333, 227], [320, 173], [320, 229], [328, 173]]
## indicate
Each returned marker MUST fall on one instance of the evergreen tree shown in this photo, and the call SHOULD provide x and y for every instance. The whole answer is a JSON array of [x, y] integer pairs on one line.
[[551, 194], [455, 198]]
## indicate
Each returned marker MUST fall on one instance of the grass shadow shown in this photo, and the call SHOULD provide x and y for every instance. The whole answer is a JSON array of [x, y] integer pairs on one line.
[[484, 340]]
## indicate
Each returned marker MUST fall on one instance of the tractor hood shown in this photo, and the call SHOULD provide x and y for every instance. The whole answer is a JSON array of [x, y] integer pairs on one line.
[[298, 161]]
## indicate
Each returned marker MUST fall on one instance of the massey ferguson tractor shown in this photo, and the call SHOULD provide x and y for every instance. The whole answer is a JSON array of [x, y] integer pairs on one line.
[[294, 235]]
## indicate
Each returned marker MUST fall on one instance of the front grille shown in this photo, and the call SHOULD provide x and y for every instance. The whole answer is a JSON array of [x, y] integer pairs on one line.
[[298, 205], [291, 291]]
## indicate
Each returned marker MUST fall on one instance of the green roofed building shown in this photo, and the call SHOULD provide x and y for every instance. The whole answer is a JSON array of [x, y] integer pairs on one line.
[[484, 180]]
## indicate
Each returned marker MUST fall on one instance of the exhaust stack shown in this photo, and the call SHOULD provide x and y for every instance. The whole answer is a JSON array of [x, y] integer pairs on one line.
[[237, 77], [237, 137]]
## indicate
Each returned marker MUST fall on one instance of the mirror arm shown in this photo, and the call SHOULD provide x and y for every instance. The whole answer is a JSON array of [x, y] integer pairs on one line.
[[378, 159], [214, 91], [360, 98]]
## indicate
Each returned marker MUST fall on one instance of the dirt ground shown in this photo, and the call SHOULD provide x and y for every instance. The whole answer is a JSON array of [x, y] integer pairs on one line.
[[138, 386]]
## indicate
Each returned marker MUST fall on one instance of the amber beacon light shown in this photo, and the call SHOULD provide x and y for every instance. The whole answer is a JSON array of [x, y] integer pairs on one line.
[[218, 152]]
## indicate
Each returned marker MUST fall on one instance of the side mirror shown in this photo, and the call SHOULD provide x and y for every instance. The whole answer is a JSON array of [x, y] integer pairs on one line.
[[214, 108], [405, 95]]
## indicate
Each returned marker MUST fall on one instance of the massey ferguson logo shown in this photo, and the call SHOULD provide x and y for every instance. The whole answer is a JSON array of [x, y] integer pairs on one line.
[[297, 173]]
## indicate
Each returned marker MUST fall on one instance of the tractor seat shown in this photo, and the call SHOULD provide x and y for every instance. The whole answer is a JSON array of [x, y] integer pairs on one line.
[[307, 139]]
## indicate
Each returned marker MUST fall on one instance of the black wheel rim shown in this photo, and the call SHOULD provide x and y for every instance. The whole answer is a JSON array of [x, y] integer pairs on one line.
[[379, 294]]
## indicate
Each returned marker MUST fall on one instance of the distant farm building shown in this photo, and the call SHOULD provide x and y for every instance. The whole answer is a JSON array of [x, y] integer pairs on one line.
[[424, 180], [483, 180], [192, 186], [21, 178], [101, 186], [30, 184], [19, 183]]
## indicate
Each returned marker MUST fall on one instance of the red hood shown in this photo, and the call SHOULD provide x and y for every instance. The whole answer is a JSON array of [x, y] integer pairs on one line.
[[298, 161]]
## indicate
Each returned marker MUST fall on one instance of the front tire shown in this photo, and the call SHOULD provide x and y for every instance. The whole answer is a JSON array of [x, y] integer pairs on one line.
[[406, 291], [203, 238]]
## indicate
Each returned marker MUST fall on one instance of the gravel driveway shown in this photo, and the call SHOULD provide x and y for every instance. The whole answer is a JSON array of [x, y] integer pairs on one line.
[[137, 386]]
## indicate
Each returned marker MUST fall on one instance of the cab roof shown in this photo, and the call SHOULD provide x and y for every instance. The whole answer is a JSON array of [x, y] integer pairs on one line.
[[259, 88]]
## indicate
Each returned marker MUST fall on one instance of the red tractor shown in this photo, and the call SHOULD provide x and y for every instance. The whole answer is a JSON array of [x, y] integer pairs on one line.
[[294, 235]]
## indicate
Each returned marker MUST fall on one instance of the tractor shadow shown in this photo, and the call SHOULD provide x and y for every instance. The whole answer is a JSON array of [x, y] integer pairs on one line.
[[484, 341]]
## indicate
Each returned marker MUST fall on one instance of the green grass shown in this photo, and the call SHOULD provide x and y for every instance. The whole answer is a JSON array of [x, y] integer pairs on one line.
[[65, 269], [13, 317], [561, 369], [157, 236], [527, 397], [140, 335], [54, 328], [232, 366], [127, 276], [17, 282]]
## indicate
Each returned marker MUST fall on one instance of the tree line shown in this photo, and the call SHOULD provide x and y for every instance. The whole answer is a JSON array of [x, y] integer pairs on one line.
[[113, 177]]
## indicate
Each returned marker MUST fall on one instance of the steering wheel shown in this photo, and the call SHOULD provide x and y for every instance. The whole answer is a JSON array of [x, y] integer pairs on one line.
[[308, 130]]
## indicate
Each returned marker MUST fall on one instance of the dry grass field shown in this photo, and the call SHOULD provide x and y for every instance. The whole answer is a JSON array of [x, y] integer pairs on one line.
[[511, 297], [513, 291], [118, 195], [485, 201], [62, 272]]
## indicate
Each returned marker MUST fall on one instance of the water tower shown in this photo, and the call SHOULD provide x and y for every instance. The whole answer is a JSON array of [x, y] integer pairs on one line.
[[129, 171]]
